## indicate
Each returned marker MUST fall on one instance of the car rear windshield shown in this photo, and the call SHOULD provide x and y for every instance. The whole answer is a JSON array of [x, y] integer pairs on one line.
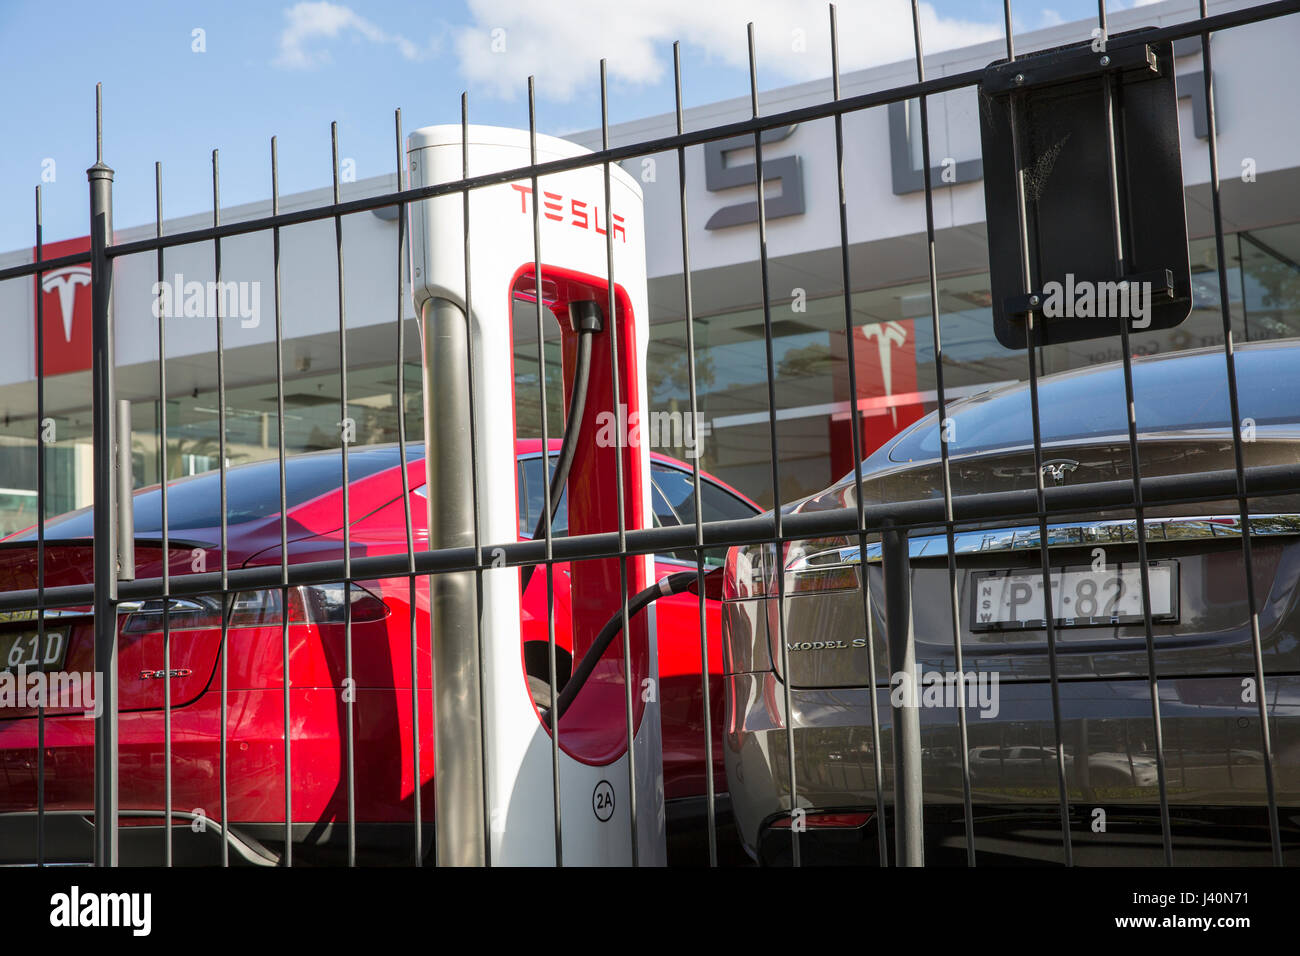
[[1183, 393], [252, 492]]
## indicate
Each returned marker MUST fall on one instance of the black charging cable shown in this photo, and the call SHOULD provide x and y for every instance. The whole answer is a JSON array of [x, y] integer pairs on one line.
[[587, 319], [677, 583]]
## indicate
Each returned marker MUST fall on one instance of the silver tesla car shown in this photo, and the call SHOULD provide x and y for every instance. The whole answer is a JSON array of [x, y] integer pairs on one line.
[[1210, 714]]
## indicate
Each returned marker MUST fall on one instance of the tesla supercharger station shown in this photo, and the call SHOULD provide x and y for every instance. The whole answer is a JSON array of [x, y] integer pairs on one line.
[[493, 752]]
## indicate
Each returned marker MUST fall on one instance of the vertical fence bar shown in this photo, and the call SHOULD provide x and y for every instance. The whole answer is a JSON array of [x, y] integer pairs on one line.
[[225, 530], [615, 384], [1049, 620], [778, 544], [909, 843], [168, 848], [711, 821], [40, 535], [855, 424], [284, 508], [546, 467], [345, 432], [1134, 455], [103, 395], [416, 796], [967, 811], [1238, 455]]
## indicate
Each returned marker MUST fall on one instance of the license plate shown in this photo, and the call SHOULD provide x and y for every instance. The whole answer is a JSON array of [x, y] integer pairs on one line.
[[25, 649], [1081, 597]]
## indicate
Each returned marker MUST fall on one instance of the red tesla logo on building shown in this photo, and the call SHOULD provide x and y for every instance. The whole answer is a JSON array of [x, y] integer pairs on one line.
[[885, 365], [65, 309]]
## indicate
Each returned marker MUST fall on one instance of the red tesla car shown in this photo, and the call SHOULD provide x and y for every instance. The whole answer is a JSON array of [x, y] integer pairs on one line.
[[385, 778]]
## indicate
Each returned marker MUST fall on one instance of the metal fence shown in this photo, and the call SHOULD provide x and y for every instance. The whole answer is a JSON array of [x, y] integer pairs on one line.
[[882, 529]]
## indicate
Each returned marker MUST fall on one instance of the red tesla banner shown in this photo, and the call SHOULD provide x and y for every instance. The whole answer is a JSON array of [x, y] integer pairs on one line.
[[885, 363], [65, 301]]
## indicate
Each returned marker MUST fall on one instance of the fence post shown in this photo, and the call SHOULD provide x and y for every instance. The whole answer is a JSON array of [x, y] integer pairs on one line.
[[908, 815], [459, 785], [105, 510]]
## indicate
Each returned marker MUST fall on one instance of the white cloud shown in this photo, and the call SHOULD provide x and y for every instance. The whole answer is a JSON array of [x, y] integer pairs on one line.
[[316, 21], [562, 41]]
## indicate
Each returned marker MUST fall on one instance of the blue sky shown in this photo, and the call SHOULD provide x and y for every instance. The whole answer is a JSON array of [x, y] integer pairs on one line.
[[290, 68]]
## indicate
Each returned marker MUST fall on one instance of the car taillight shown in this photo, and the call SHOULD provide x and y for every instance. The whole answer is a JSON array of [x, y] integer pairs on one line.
[[823, 564], [746, 571], [315, 604], [824, 820], [259, 608], [187, 613], [325, 604]]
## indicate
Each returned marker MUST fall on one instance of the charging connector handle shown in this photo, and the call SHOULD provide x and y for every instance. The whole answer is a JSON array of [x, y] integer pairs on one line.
[[671, 584]]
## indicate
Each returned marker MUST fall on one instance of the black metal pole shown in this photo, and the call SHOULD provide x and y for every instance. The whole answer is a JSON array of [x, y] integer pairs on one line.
[[909, 847], [105, 513], [125, 488], [461, 834]]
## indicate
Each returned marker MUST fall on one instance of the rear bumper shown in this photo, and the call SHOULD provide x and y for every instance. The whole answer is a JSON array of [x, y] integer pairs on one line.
[[1028, 835], [1214, 767], [383, 788], [66, 838]]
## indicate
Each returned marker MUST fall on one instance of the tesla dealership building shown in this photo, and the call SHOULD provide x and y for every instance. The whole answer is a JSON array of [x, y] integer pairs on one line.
[[891, 338]]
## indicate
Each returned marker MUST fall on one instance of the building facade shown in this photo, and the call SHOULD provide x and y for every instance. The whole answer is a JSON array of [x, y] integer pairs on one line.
[[888, 334]]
